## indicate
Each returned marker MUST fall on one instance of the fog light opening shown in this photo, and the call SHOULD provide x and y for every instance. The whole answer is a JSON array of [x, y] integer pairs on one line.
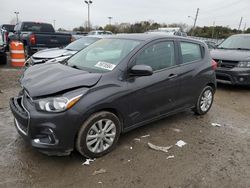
[[47, 137], [242, 79]]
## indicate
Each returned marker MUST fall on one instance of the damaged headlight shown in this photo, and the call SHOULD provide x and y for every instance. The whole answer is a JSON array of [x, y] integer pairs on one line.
[[57, 104], [28, 63], [244, 64]]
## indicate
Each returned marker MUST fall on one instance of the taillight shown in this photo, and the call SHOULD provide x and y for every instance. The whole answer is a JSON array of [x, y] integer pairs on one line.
[[214, 65], [32, 39]]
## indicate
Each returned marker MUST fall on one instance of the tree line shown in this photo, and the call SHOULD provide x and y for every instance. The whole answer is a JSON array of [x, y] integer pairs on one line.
[[218, 32]]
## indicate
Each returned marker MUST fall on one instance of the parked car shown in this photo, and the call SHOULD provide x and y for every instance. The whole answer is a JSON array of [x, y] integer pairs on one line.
[[5, 29], [100, 32], [37, 36], [211, 44], [233, 58], [60, 54], [111, 87], [3, 58]]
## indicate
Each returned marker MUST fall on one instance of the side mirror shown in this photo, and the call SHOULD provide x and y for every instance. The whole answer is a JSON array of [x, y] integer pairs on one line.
[[141, 70]]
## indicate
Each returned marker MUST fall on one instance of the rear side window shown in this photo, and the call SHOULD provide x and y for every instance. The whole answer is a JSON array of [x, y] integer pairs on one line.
[[37, 27], [190, 52], [8, 27], [158, 56]]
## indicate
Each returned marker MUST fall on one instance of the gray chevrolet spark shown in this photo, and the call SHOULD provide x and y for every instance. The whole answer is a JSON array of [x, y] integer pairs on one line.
[[113, 86]]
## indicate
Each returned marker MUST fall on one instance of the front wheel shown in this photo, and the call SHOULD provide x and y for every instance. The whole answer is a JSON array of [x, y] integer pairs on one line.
[[98, 134], [205, 101]]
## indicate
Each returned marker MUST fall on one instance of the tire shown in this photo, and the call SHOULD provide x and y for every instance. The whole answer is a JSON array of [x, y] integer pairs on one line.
[[90, 134], [201, 109], [3, 59]]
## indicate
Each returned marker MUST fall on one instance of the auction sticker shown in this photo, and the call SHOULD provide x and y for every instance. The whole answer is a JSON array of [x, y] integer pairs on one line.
[[105, 65]]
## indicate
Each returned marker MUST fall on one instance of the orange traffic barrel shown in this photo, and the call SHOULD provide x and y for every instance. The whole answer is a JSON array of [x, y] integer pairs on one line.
[[17, 55]]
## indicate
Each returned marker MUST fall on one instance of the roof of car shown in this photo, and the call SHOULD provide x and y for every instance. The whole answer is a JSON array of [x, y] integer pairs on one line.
[[97, 36], [148, 36]]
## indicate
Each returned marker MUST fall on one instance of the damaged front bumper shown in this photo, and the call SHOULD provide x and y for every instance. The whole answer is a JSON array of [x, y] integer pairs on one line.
[[50, 133]]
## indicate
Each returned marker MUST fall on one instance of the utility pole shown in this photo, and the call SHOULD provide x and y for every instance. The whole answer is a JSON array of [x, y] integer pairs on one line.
[[240, 23], [195, 20], [245, 26], [110, 18], [17, 20], [88, 3], [213, 29]]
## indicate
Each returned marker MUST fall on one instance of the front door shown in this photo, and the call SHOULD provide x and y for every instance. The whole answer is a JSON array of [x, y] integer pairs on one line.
[[154, 95]]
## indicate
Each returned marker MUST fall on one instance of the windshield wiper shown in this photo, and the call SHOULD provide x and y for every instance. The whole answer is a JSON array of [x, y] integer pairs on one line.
[[223, 48], [241, 49], [76, 67], [233, 48], [69, 49]]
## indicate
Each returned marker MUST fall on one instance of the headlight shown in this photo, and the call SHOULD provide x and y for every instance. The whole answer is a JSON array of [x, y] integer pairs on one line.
[[244, 64], [57, 104], [29, 62]]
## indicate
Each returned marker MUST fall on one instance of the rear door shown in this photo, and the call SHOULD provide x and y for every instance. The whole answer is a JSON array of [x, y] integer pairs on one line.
[[190, 68], [154, 95]]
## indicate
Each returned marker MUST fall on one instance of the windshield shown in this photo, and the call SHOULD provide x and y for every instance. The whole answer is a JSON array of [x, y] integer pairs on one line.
[[236, 42], [103, 56], [81, 43]]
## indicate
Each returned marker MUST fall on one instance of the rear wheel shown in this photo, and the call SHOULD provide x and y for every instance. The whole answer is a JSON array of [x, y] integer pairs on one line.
[[205, 101], [98, 134]]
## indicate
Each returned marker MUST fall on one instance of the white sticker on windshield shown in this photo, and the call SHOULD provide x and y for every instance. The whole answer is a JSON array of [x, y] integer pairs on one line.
[[105, 65]]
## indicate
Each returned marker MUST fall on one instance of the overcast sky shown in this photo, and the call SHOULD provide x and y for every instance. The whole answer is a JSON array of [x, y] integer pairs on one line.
[[72, 13]]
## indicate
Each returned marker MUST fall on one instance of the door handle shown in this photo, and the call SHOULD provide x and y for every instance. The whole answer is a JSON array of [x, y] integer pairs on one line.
[[171, 76]]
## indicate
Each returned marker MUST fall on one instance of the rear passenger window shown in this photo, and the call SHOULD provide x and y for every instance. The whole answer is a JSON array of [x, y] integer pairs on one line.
[[190, 52], [158, 56]]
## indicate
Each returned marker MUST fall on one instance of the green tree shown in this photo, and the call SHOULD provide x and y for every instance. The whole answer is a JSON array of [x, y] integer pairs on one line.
[[248, 30]]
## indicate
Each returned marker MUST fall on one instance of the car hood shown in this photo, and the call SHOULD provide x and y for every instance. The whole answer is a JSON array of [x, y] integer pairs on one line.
[[53, 78], [53, 53], [231, 55]]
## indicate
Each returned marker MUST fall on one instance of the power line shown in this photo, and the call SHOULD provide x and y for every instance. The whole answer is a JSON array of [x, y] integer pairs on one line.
[[222, 7]]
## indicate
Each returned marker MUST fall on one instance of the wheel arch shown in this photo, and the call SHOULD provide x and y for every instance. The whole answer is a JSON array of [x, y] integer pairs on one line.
[[111, 110], [212, 85]]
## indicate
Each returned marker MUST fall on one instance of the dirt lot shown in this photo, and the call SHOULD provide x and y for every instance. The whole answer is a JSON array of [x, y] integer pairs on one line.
[[213, 156]]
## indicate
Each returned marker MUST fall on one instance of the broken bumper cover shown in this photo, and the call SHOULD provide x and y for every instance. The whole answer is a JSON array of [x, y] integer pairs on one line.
[[234, 76], [50, 133]]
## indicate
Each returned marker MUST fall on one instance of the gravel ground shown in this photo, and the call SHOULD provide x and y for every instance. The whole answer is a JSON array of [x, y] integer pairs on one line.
[[213, 157]]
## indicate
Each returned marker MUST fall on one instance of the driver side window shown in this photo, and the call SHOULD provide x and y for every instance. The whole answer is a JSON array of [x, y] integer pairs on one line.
[[158, 56]]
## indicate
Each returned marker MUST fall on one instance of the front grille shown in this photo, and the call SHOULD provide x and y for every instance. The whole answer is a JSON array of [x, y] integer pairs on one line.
[[226, 64], [20, 113], [16, 105], [222, 77], [21, 127]]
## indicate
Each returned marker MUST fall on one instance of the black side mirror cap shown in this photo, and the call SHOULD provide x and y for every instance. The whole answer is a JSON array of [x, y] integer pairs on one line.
[[141, 70]]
